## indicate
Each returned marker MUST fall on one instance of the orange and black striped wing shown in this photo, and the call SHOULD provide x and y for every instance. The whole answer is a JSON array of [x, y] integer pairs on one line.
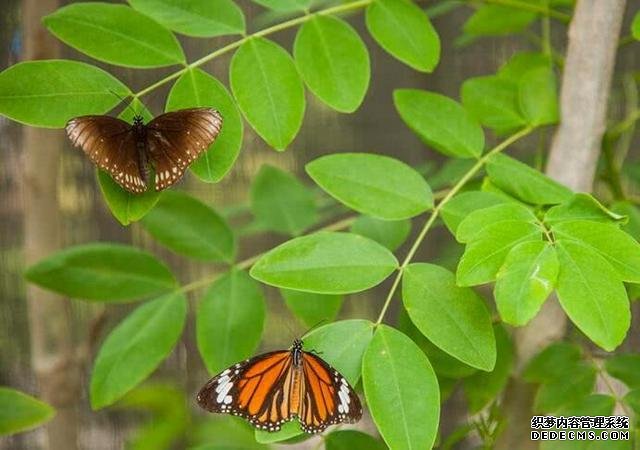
[[111, 144], [327, 397], [177, 138], [256, 389]]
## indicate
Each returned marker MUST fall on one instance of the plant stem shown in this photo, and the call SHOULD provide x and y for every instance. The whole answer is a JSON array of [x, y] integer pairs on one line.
[[604, 376], [556, 57], [622, 127], [265, 32], [527, 6], [546, 33], [436, 211]]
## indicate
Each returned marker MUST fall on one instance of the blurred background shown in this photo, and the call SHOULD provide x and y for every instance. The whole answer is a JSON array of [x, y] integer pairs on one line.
[[166, 402]]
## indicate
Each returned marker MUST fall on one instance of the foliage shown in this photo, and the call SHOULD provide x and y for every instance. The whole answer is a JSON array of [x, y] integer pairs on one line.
[[575, 396], [19, 411], [524, 233]]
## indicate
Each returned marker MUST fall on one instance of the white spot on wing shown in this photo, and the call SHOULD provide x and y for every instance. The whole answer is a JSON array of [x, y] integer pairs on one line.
[[223, 392]]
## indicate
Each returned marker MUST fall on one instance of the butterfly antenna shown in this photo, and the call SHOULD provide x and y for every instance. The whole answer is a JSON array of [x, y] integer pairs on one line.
[[124, 100], [314, 327]]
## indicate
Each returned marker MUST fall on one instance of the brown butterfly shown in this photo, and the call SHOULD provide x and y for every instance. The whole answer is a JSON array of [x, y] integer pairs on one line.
[[169, 142]]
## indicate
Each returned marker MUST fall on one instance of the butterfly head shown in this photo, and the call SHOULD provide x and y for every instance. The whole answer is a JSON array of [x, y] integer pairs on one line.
[[138, 120], [296, 350]]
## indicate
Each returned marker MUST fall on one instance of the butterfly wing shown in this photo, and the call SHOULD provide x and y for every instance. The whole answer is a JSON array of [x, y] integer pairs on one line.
[[327, 397], [111, 144], [176, 139], [256, 389]]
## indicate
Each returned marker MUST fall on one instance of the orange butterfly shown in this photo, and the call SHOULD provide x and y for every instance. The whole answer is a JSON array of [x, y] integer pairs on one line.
[[276, 387]]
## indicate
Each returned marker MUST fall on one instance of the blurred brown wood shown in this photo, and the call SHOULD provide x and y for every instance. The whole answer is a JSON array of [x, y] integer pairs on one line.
[[586, 83], [52, 354]]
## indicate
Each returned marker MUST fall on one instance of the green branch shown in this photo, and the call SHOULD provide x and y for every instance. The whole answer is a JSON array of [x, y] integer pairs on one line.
[[623, 126], [436, 211], [527, 6], [265, 32]]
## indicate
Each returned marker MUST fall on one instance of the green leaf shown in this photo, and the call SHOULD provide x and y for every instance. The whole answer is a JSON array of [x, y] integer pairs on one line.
[[21, 412], [581, 207], [136, 347], [269, 91], [135, 108], [453, 318], [629, 215], [390, 233], [521, 63], [594, 405], [404, 30], [498, 20], [538, 96], [440, 122], [189, 227], [447, 387], [377, 185], [352, 440], [616, 246], [591, 294], [126, 206], [482, 387], [488, 186], [289, 430], [524, 182], [394, 374], [102, 272], [463, 204], [281, 202], [552, 363], [333, 62], [165, 406], [312, 309], [494, 102], [635, 26], [633, 400], [634, 292], [449, 173], [285, 5], [224, 433], [115, 34], [459, 434], [342, 345], [50, 92], [525, 280], [197, 88], [229, 320], [445, 365], [198, 18], [475, 224], [626, 368], [326, 263], [483, 257], [566, 390]]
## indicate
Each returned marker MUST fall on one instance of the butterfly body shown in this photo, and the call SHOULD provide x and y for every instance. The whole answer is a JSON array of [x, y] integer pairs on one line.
[[271, 389], [169, 142], [140, 133]]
